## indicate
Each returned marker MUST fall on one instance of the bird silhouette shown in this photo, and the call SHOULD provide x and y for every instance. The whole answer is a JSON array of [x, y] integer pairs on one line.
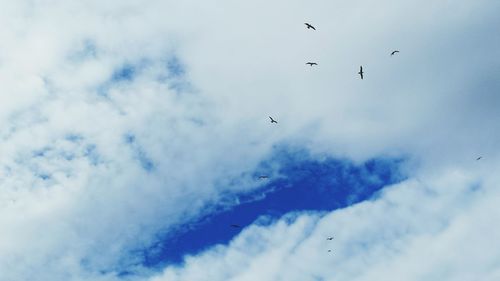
[[309, 26], [329, 251], [272, 120], [361, 72], [479, 158], [329, 238], [311, 63], [235, 226], [263, 177], [394, 52]]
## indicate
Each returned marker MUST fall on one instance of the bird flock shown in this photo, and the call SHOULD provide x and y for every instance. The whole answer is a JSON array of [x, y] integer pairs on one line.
[[273, 121], [361, 72], [310, 63]]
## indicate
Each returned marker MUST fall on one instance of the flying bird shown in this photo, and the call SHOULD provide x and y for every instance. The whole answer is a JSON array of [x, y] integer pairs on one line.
[[309, 26], [272, 120], [479, 158], [329, 251], [329, 238], [263, 177], [235, 226], [361, 72], [311, 63], [394, 52]]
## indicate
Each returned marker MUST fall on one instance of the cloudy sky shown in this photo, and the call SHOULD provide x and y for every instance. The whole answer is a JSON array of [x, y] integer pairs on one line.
[[134, 134]]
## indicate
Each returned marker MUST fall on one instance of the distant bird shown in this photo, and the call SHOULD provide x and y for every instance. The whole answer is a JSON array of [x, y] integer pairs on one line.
[[361, 72], [272, 120], [309, 26], [479, 158], [235, 226], [394, 52], [263, 177], [329, 251], [311, 63], [329, 238]]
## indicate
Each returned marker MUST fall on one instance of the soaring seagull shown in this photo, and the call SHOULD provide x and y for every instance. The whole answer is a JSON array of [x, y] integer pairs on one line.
[[394, 52], [309, 26], [311, 63], [235, 226], [329, 238], [361, 71], [479, 158], [272, 120]]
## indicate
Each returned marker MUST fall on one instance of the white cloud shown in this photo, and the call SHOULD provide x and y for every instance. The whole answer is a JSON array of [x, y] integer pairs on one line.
[[75, 199]]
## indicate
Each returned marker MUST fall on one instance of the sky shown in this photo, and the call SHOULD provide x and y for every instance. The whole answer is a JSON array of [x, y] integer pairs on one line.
[[133, 134]]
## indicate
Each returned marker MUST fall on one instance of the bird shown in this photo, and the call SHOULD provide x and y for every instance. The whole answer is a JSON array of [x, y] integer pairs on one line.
[[311, 63], [235, 226], [329, 251], [272, 120], [263, 177], [361, 71], [309, 26], [479, 158], [394, 52], [329, 238]]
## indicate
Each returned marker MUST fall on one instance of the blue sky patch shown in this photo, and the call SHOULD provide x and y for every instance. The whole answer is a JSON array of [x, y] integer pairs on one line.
[[175, 67], [91, 153], [138, 153], [306, 184], [74, 138], [172, 74], [125, 73], [175, 76]]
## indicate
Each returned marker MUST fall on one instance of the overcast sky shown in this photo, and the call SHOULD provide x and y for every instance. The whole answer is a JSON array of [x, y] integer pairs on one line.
[[133, 133]]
